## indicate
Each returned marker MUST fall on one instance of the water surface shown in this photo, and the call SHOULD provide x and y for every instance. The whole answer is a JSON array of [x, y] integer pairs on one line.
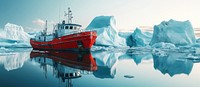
[[23, 68]]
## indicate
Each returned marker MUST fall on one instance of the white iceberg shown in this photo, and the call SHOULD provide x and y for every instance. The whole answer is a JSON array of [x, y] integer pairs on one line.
[[107, 31], [175, 32], [141, 38], [15, 32], [14, 36]]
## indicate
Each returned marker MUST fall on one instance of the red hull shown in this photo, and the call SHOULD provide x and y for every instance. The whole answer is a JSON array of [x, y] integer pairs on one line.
[[82, 41]]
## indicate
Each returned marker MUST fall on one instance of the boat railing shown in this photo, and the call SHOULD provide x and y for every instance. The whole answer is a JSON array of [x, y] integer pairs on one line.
[[88, 30], [32, 38], [79, 31]]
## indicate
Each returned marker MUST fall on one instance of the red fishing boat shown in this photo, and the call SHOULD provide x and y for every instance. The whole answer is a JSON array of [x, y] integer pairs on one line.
[[65, 36]]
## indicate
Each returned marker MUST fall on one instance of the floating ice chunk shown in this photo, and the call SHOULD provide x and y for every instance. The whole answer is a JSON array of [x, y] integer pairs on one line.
[[128, 76], [175, 32], [164, 45], [101, 48], [139, 50], [159, 52]]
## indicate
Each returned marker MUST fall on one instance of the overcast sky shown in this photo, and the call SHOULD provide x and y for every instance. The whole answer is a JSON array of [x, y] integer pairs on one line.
[[128, 13]]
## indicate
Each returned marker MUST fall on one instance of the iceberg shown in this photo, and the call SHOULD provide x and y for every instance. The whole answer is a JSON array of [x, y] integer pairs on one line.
[[141, 38], [128, 37], [15, 32], [106, 31], [14, 36], [175, 32]]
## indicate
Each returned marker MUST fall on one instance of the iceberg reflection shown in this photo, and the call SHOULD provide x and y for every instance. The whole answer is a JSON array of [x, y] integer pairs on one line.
[[13, 59], [173, 64], [106, 62], [103, 64]]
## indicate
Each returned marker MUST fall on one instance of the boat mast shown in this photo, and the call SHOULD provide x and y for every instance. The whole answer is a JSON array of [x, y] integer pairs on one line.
[[69, 16], [45, 28]]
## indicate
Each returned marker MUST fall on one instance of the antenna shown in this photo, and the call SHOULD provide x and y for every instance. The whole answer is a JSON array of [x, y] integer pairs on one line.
[[59, 13], [69, 16], [45, 28]]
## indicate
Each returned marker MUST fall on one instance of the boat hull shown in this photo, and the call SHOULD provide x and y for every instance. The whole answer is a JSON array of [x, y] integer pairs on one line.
[[82, 41]]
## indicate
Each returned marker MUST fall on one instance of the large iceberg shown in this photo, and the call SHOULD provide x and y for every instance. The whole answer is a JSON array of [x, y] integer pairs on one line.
[[175, 32], [14, 36], [107, 31], [15, 32], [141, 38]]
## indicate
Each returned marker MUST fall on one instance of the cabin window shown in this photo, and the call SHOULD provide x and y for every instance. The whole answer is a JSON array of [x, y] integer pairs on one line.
[[66, 27], [44, 38], [71, 27], [75, 28]]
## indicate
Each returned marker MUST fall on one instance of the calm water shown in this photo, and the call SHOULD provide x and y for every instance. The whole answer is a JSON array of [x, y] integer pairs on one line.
[[23, 68]]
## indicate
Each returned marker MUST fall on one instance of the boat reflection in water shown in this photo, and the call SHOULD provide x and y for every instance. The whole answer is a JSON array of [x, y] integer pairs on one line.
[[66, 65]]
